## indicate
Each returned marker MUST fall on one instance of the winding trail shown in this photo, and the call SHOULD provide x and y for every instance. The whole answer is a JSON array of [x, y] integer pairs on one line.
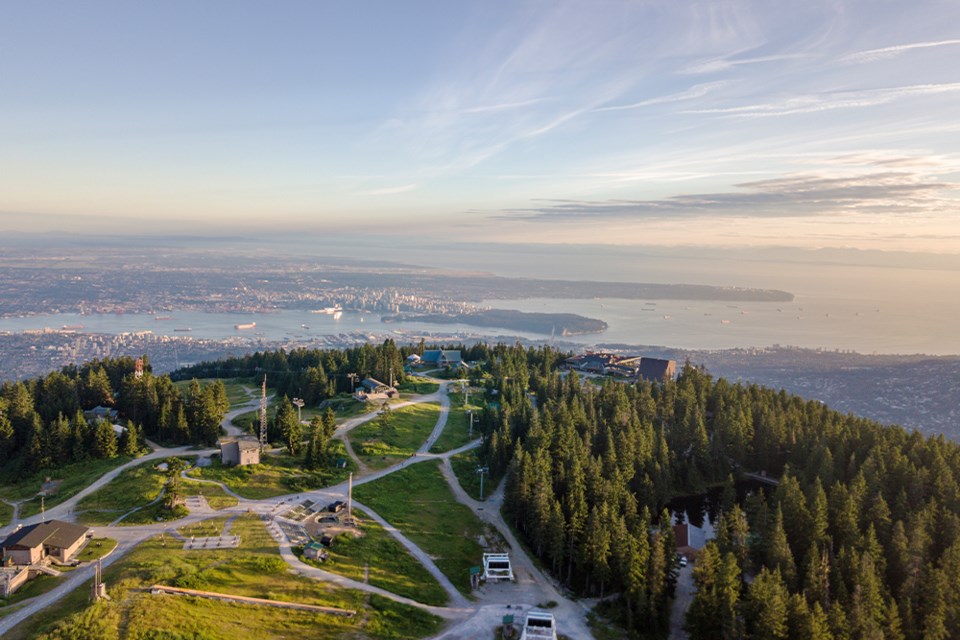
[[467, 620]]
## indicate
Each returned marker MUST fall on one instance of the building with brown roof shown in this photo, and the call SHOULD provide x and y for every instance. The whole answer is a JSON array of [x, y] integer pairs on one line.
[[55, 538]]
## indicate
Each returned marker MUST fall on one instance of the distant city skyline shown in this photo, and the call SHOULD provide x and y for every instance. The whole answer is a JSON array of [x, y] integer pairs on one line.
[[809, 124]]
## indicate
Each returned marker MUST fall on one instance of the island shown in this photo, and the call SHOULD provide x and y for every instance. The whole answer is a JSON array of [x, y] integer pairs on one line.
[[564, 324]]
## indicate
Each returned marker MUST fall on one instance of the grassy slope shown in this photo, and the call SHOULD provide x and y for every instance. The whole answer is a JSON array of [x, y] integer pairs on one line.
[[6, 514], [75, 478], [390, 565], [430, 516], [465, 468], [134, 487], [255, 569], [277, 475], [418, 385], [409, 427], [457, 431]]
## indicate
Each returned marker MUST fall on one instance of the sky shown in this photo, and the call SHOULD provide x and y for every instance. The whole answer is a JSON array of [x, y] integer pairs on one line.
[[709, 123]]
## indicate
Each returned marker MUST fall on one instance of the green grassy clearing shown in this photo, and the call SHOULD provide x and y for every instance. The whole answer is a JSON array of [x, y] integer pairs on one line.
[[96, 548], [235, 389], [32, 588], [211, 528], [6, 514], [379, 444], [134, 487], [391, 566], [418, 385], [216, 497], [255, 569], [430, 516], [277, 475], [75, 477], [457, 432], [465, 468]]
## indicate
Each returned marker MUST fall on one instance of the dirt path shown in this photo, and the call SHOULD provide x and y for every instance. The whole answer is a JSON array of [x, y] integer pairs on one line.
[[532, 586], [13, 517], [681, 602], [227, 423], [64, 510]]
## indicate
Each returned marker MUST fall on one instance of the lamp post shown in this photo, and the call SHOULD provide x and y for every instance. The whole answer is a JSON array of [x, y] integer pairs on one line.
[[299, 403]]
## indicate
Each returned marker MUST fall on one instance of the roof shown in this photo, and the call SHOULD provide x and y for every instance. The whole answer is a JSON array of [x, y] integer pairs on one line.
[[372, 383], [244, 443], [437, 355], [55, 533], [657, 369], [313, 545]]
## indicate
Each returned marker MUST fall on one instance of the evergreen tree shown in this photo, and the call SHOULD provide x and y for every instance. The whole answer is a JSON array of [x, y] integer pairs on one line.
[[288, 426], [104, 440], [766, 610]]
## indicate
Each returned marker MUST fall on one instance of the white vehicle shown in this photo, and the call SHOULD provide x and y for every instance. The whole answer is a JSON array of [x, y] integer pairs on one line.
[[539, 625]]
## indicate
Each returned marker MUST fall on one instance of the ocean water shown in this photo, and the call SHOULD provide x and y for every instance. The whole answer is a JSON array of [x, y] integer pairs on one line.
[[843, 304]]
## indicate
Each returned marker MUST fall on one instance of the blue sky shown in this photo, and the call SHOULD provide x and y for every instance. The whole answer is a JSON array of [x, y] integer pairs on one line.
[[696, 123]]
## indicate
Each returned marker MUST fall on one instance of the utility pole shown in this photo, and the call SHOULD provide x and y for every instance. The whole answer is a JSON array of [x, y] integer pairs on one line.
[[470, 413], [353, 381], [299, 403], [482, 471], [350, 496], [263, 415]]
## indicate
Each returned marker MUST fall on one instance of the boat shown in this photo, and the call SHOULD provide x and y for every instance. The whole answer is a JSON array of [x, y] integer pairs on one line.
[[539, 625], [246, 325], [337, 315], [163, 317], [184, 329], [72, 327], [328, 310], [303, 326]]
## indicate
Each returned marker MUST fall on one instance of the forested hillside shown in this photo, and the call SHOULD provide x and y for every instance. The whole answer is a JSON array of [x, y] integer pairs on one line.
[[42, 424], [860, 539]]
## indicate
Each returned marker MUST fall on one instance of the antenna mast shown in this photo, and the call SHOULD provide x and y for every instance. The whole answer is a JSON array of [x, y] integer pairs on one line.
[[263, 415]]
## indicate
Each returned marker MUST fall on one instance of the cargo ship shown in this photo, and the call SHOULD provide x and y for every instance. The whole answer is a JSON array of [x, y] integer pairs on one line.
[[246, 325]]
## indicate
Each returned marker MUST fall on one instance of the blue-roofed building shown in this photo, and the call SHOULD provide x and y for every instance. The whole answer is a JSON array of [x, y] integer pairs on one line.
[[442, 358]]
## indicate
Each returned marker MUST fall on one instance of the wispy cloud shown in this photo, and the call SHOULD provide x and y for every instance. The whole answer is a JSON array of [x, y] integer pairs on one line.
[[728, 62], [830, 101], [505, 106], [696, 91], [388, 191], [884, 53], [890, 193]]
